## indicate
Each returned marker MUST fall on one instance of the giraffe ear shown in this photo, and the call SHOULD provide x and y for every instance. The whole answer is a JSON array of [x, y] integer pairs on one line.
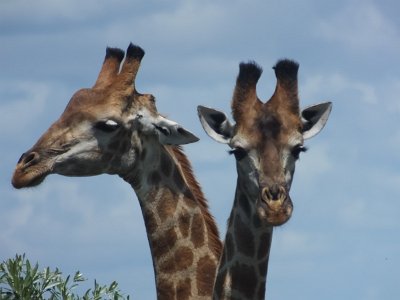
[[314, 118], [215, 124], [171, 133]]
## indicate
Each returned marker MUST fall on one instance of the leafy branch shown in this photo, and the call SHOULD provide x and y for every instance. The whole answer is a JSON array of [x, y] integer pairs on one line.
[[20, 280]]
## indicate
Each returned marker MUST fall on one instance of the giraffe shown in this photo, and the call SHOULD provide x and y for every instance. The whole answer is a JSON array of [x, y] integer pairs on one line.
[[266, 141], [113, 129]]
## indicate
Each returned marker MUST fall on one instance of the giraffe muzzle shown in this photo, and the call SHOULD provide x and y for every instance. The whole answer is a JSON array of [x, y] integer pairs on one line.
[[276, 207], [274, 197]]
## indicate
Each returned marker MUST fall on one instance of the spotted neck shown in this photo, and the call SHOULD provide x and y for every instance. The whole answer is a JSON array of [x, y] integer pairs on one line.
[[243, 266], [182, 234]]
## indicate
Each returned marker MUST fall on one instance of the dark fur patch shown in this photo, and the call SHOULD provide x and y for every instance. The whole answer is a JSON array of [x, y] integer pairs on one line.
[[229, 247], [269, 126], [219, 284], [134, 52], [244, 278], [245, 205], [165, 164], [286, 69], [261, 290], [249, 73], [116, 53], [264, 245], [177, 177], [244, 238], [263, 268], [154, 178]]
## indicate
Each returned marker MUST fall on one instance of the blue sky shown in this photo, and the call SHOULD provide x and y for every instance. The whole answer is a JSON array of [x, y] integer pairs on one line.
[[343, 240]]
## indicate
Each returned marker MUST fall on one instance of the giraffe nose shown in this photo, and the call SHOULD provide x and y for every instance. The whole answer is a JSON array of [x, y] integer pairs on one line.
[[274, 193], [29, 159]]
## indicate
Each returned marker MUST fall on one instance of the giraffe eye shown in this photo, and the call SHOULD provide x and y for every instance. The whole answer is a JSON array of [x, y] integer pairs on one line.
[[107, 126], [297, 150], [239, 153]]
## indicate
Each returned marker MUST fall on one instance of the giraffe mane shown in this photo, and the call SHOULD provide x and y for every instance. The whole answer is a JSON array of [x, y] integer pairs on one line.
[[197, 192]]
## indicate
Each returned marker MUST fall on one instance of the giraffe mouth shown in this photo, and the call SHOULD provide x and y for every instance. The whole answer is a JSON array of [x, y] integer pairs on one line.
[[275, 210], [28, 177]]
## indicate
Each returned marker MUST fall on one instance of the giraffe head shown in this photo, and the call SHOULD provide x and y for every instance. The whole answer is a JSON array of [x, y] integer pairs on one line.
[[104, 129], [267, 138]]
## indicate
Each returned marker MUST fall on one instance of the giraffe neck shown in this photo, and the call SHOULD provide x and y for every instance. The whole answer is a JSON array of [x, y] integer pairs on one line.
[[182, 234], [243, 266]]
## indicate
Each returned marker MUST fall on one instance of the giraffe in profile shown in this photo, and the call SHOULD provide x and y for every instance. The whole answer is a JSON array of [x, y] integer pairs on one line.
[[113, 129], [266, 141]]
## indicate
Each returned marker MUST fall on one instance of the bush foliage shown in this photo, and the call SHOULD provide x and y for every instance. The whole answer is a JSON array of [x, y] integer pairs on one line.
[[20, 280]]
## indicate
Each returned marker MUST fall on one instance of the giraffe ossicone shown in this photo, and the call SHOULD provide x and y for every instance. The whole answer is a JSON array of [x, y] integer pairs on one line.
[[266, 141], [111, 128]]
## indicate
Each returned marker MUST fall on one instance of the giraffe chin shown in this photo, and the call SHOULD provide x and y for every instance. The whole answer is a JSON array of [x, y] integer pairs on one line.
[[275, 212], [24, 180]]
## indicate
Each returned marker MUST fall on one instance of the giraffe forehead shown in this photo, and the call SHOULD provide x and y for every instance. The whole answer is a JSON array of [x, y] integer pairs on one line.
[[268, 132], [97, 99], [92, 104], [278, 125]]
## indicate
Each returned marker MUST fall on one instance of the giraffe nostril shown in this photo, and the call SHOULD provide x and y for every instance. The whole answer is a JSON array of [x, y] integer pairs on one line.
[[29, 159], [274, 193], [20, 159]]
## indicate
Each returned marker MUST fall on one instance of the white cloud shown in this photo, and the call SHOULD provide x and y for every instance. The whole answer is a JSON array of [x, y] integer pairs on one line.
[[292, 242], [361, 27], [338, 84], [29, 100], [44, 10]]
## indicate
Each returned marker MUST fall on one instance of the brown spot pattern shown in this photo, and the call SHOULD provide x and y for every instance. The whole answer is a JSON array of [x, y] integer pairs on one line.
[[165, 290], [183, 289], [167, 206], [184, 223], [180, 260], [183, 258], [206, 269], [197, 236], [162, 245], [150, 221]]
